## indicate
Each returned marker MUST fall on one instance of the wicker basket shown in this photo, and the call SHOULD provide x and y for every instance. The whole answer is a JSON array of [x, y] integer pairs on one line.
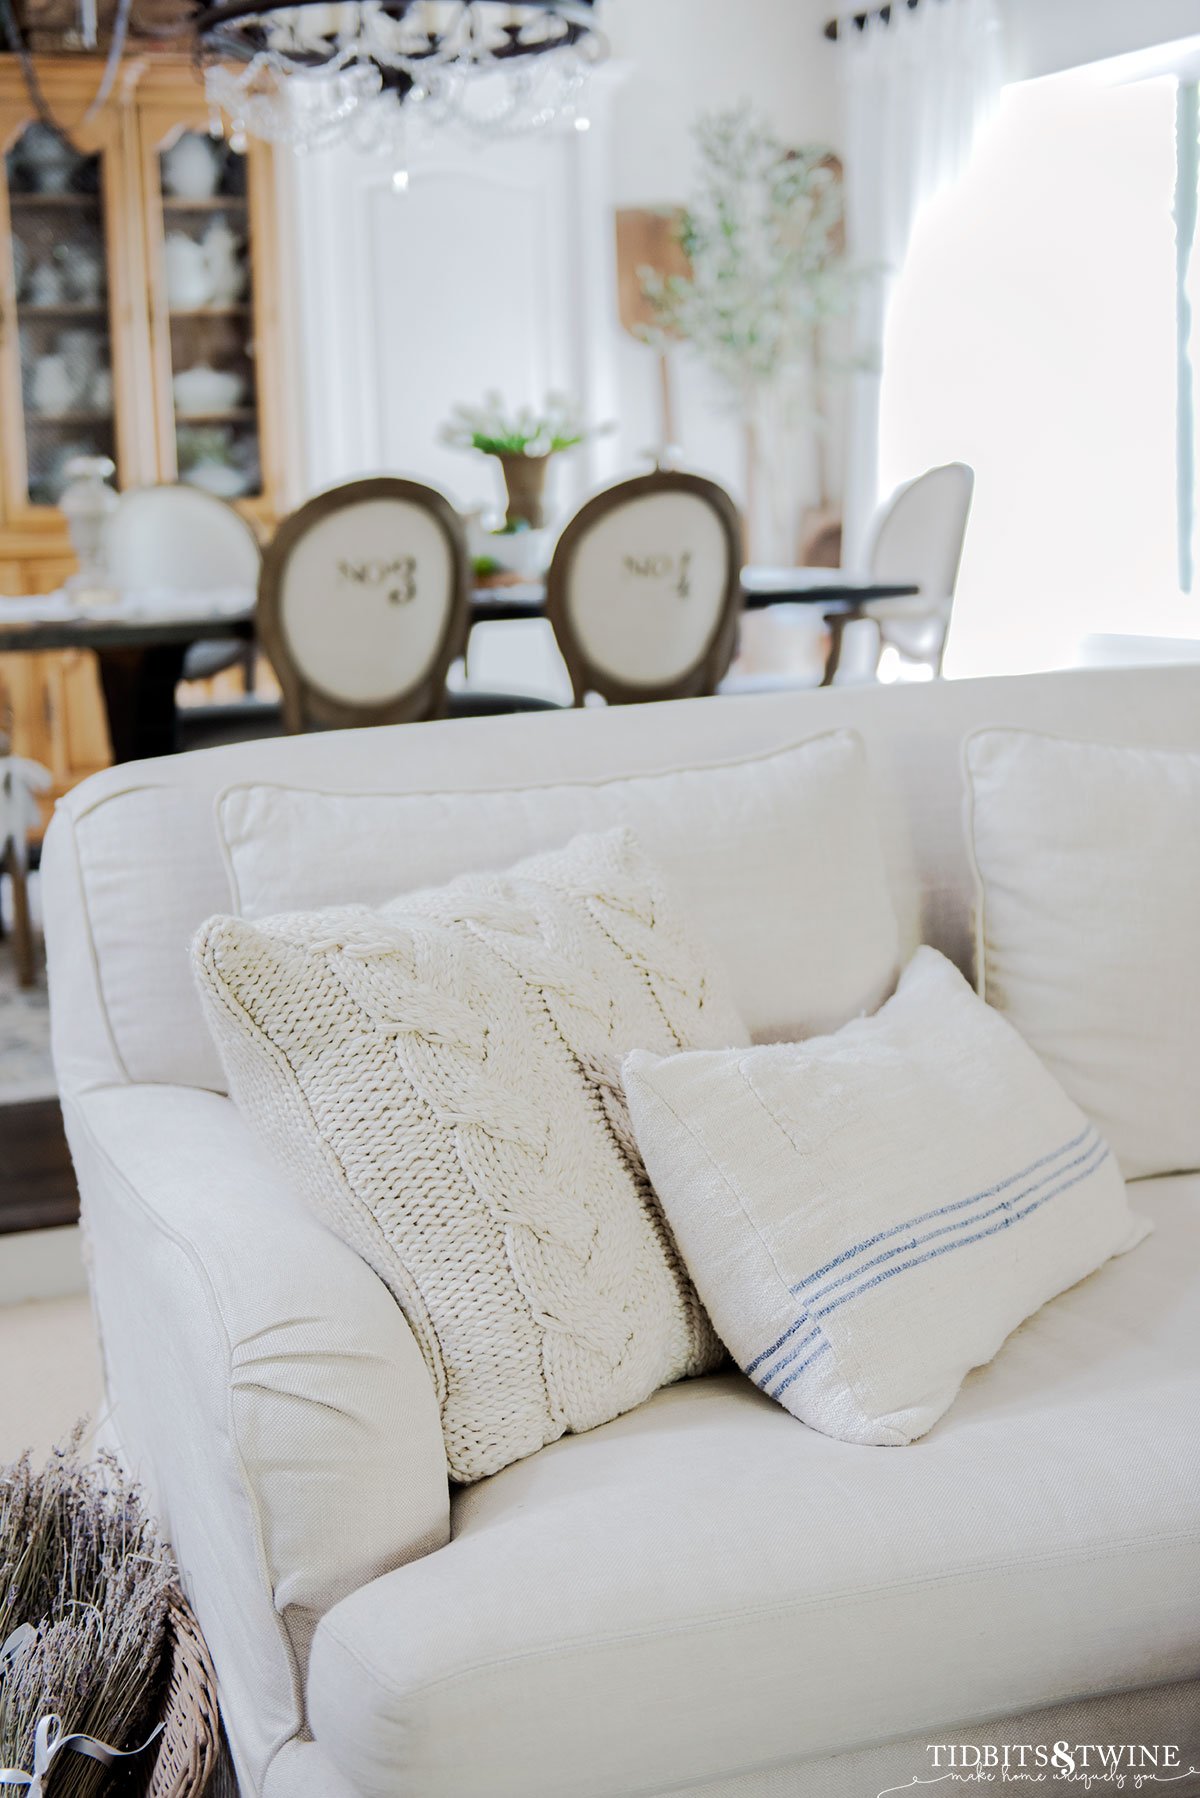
[[185, 1755]]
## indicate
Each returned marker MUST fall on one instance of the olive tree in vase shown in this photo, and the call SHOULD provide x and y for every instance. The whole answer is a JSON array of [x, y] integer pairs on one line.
[[764, 237]]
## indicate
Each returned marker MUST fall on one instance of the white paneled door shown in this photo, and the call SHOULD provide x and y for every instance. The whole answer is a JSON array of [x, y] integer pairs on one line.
[[489, 267]]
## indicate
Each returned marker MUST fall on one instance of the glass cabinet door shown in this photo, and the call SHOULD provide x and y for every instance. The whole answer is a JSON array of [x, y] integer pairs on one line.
[[57, 374], [205, 328]]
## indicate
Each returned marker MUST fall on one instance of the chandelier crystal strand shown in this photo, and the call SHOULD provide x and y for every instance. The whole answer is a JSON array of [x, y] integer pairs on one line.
[[313, 74]]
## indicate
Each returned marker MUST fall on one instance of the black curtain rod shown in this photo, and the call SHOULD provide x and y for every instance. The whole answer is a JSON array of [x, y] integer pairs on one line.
[[859, 19]]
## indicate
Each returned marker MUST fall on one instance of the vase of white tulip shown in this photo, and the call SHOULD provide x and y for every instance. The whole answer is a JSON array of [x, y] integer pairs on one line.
[[525, 443]]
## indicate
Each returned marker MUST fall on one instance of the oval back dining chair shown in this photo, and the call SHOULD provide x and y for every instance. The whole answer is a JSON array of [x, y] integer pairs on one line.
[[644, 590], [179, 538], [919, 536], [363, 604]]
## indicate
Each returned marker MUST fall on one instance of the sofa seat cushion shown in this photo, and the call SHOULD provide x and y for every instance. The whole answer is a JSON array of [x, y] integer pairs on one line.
[[705, 1586]]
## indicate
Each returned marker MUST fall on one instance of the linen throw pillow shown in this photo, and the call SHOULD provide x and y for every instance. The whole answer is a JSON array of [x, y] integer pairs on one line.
[[1087, 864], [442, 1078], [867, 1216]]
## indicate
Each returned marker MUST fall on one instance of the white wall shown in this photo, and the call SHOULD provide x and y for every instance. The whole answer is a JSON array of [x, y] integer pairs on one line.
[[479, 274], [685, 57], [671, 62], [680, 59], [1045, 36]]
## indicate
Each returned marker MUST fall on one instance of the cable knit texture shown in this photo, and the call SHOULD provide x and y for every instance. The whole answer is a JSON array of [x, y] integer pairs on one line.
[[442, 1077]]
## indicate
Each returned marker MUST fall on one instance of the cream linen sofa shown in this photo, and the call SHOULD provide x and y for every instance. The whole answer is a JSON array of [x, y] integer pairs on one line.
[[702, 1597]]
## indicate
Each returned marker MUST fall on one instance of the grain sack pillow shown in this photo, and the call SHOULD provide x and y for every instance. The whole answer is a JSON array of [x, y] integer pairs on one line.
[[442, 1078], [867, 1216], [1087, 866]]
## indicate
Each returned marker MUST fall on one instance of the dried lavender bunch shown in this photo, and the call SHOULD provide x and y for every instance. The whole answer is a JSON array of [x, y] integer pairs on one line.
[[81, 1562]]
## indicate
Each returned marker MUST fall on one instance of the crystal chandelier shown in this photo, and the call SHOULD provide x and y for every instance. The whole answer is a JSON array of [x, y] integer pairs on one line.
[[310, 73]]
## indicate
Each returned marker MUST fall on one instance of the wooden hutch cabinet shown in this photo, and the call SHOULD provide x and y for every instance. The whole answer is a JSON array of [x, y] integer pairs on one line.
[[139, 319]]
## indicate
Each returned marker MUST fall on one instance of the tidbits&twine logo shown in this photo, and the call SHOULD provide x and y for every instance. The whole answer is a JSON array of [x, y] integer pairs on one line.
[[1089, 1766]]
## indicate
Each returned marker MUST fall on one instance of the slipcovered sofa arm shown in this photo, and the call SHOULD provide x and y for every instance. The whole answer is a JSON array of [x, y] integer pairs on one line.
[[263, 1384]]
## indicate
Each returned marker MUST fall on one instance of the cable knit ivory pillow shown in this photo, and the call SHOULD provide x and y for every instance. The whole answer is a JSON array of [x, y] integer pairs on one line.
[[1087, 862], [867, 1216], [442, 1077]]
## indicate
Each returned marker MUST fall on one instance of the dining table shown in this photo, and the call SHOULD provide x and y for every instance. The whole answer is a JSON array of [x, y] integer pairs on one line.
[[837, 588], [140, 639]]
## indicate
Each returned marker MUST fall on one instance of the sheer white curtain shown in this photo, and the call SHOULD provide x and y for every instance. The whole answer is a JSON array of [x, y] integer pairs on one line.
[[917, 89]]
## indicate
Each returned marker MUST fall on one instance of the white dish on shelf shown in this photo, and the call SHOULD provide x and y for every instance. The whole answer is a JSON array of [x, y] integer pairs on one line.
[[43, 285], [225, 264], [53, 388], [202, 390], [83, 276], [191, 168], [222, 479], [49, 161], [189, 282]]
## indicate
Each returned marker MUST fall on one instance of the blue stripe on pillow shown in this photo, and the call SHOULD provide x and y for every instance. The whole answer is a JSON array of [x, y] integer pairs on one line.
[[815, 1356], [773, 1373], [1090, 1160], [1101, 1156], [776, 1346], [989, 1192], [962, 1223]]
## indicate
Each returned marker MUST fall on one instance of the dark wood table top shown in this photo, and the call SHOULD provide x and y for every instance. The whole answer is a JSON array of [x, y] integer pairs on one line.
[[120, 633], [761, 587], [110, 630]]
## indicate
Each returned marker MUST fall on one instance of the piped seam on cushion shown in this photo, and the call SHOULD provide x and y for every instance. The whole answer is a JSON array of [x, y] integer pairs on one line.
[[825, 1602], [844, 732], [979, 891]]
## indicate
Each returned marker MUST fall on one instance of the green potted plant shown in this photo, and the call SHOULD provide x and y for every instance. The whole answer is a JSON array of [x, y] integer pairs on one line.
[[524, 443], [764, 240]]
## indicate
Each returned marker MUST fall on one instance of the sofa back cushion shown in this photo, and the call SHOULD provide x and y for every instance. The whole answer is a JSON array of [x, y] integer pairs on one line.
[[1088, 861], [133, 864], [778, 855]]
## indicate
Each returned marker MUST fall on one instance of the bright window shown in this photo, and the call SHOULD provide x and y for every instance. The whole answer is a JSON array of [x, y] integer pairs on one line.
[[1034, 335]]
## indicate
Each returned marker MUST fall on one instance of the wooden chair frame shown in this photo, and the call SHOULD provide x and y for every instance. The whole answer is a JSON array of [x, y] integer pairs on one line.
[[713, 662], [13, 860], [305, 705]]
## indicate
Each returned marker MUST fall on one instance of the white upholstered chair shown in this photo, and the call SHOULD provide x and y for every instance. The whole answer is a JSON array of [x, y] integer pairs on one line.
[[362, 605], [180, 538], [644, 589], [918, 536], [177, 536]]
